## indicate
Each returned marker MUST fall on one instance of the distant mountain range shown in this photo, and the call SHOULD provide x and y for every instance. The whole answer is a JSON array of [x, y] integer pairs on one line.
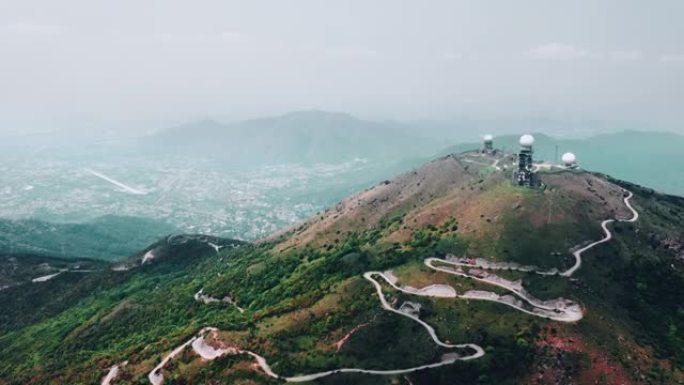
[[323, 137], [298, 137]]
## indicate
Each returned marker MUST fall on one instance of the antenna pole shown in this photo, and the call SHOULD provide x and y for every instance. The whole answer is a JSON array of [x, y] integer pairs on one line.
[[556, 158]]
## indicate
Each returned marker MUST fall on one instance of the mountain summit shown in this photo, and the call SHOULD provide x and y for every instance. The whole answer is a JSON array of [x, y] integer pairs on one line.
[[448, 273]]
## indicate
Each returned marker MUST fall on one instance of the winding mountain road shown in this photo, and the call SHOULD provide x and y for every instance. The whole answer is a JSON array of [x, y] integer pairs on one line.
[[559, 310], [608, 236], [210, 353]]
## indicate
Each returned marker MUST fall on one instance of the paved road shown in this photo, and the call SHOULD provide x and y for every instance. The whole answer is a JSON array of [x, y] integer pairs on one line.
[[559, 310], [608, 236], [209, 353]]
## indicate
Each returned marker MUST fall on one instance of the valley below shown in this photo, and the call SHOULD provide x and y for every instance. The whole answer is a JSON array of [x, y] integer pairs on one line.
[[135, 200]]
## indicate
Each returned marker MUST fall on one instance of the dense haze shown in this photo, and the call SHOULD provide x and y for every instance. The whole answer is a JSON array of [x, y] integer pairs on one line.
[[135, 119], [138, 66]]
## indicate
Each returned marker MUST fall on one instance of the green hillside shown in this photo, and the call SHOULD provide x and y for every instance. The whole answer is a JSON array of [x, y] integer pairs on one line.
[[307, 299]]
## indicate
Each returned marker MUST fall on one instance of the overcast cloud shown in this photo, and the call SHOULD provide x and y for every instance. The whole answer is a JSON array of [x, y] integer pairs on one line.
[[102, 64]]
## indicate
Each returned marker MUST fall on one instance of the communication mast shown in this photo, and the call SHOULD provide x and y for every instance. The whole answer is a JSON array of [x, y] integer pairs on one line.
[[525, 175]]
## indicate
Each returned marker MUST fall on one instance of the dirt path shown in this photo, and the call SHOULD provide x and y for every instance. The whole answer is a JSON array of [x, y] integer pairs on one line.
[[113, 373], [207, 299], [48, 277], [339, 344]]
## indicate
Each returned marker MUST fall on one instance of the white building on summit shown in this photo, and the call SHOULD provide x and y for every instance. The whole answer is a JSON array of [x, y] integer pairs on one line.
[[569, 160]]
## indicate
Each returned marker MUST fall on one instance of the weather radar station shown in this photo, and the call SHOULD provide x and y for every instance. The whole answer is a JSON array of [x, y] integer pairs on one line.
[[525, 175]]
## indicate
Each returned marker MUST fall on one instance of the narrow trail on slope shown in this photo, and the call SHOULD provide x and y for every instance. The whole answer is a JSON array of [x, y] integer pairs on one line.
[[562, 310], [113, 373], [608, 236], [207, 299]]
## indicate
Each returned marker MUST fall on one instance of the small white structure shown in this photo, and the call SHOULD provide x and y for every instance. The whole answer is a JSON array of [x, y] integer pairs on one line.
[[488, 143], [569, 160], [526, 141]]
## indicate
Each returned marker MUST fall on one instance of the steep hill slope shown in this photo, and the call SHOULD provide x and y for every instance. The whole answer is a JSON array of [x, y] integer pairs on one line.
[[36, 287], [446, 273]]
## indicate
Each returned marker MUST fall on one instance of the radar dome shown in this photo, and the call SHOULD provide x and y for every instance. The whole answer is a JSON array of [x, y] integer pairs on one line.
[[568, 158], [488, 138], [527, 140]]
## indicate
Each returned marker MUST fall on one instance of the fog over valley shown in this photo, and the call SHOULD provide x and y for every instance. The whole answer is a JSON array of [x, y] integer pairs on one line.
[[140, 66]]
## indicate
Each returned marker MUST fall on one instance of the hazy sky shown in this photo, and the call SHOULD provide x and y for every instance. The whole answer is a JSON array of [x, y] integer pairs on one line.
[[92, 63]]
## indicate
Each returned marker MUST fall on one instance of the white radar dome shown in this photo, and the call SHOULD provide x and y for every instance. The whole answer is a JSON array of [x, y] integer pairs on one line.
[[488, 138], [526, 140], [568, 158]]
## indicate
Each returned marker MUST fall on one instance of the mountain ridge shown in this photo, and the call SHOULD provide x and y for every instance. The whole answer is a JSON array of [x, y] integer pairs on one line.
[[297, 137]]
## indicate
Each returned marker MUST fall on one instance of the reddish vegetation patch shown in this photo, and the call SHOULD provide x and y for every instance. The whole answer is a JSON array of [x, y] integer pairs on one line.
[[364, 210], [557, 343], [475, 212], [602, 369], [215, 341], [604, 197], [341, 342]]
